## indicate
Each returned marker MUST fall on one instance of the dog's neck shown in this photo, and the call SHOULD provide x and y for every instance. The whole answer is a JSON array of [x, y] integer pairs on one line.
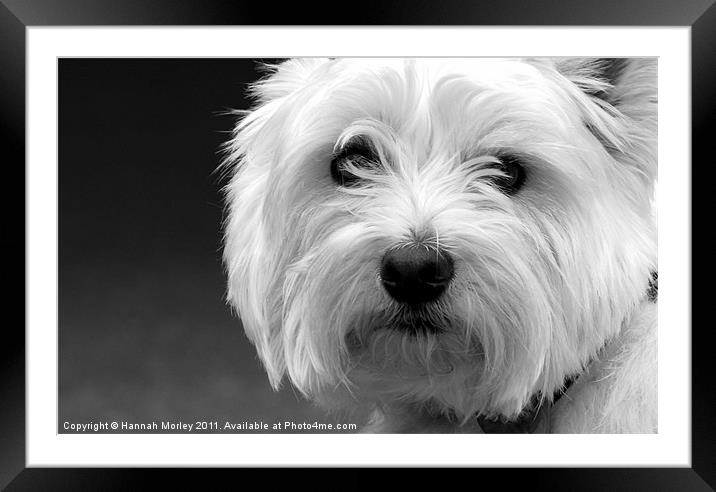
[[537, 420]]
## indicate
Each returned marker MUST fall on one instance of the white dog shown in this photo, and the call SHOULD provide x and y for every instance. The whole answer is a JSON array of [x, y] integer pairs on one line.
[[452, 245]]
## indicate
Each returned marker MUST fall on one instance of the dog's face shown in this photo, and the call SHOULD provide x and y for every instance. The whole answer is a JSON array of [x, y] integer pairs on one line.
[[458, 233]]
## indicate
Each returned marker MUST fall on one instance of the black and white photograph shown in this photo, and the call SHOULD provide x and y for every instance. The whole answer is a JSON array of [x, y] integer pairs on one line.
[[373, 245], [425, 237]]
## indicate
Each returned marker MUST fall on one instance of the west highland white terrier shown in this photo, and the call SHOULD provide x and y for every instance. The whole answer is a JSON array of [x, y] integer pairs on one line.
[[452, 245]]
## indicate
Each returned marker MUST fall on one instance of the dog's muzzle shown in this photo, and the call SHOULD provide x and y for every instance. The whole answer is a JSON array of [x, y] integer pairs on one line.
[[416, 274]]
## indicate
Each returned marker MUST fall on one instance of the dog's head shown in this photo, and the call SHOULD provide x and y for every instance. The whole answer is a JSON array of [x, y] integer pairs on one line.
[[457, 233]]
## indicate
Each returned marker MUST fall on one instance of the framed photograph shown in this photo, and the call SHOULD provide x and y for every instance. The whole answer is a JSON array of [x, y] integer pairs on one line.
[[260, 239]]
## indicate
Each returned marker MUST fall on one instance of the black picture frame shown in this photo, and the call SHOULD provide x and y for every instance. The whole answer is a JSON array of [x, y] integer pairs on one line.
[[17, 15]]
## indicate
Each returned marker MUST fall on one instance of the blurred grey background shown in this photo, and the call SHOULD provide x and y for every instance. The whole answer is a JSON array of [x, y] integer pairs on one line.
[[144, 333]]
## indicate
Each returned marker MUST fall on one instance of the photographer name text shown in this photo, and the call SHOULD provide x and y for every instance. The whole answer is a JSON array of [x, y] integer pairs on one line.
[[203, 426]]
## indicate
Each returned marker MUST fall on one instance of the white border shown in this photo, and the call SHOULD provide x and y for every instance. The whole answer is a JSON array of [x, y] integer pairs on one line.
[[670, 447]]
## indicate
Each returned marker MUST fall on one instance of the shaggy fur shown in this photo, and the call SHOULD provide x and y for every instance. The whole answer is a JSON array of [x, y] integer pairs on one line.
[[550, 283]]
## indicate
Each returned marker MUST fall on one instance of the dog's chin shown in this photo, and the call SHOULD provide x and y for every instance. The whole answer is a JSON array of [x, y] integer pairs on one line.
[[413, 343], [414, 324], [414, 360]]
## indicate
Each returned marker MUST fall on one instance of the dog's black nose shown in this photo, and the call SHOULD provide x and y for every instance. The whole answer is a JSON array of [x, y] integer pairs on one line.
[[416, 274]]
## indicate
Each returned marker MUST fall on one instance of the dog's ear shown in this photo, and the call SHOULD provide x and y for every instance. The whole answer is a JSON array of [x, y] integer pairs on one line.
[[625, 92], [597, 77], [627, 84], [270, 92], [284, 78]]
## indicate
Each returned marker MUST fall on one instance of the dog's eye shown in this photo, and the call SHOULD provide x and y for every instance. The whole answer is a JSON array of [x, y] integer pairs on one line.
[[512, 174], [353, 156]]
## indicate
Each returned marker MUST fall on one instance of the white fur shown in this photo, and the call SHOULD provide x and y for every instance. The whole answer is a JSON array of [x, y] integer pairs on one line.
[[549, 282]]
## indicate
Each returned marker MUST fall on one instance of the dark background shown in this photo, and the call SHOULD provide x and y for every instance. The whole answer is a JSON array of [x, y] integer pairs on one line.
[[144, 333]]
